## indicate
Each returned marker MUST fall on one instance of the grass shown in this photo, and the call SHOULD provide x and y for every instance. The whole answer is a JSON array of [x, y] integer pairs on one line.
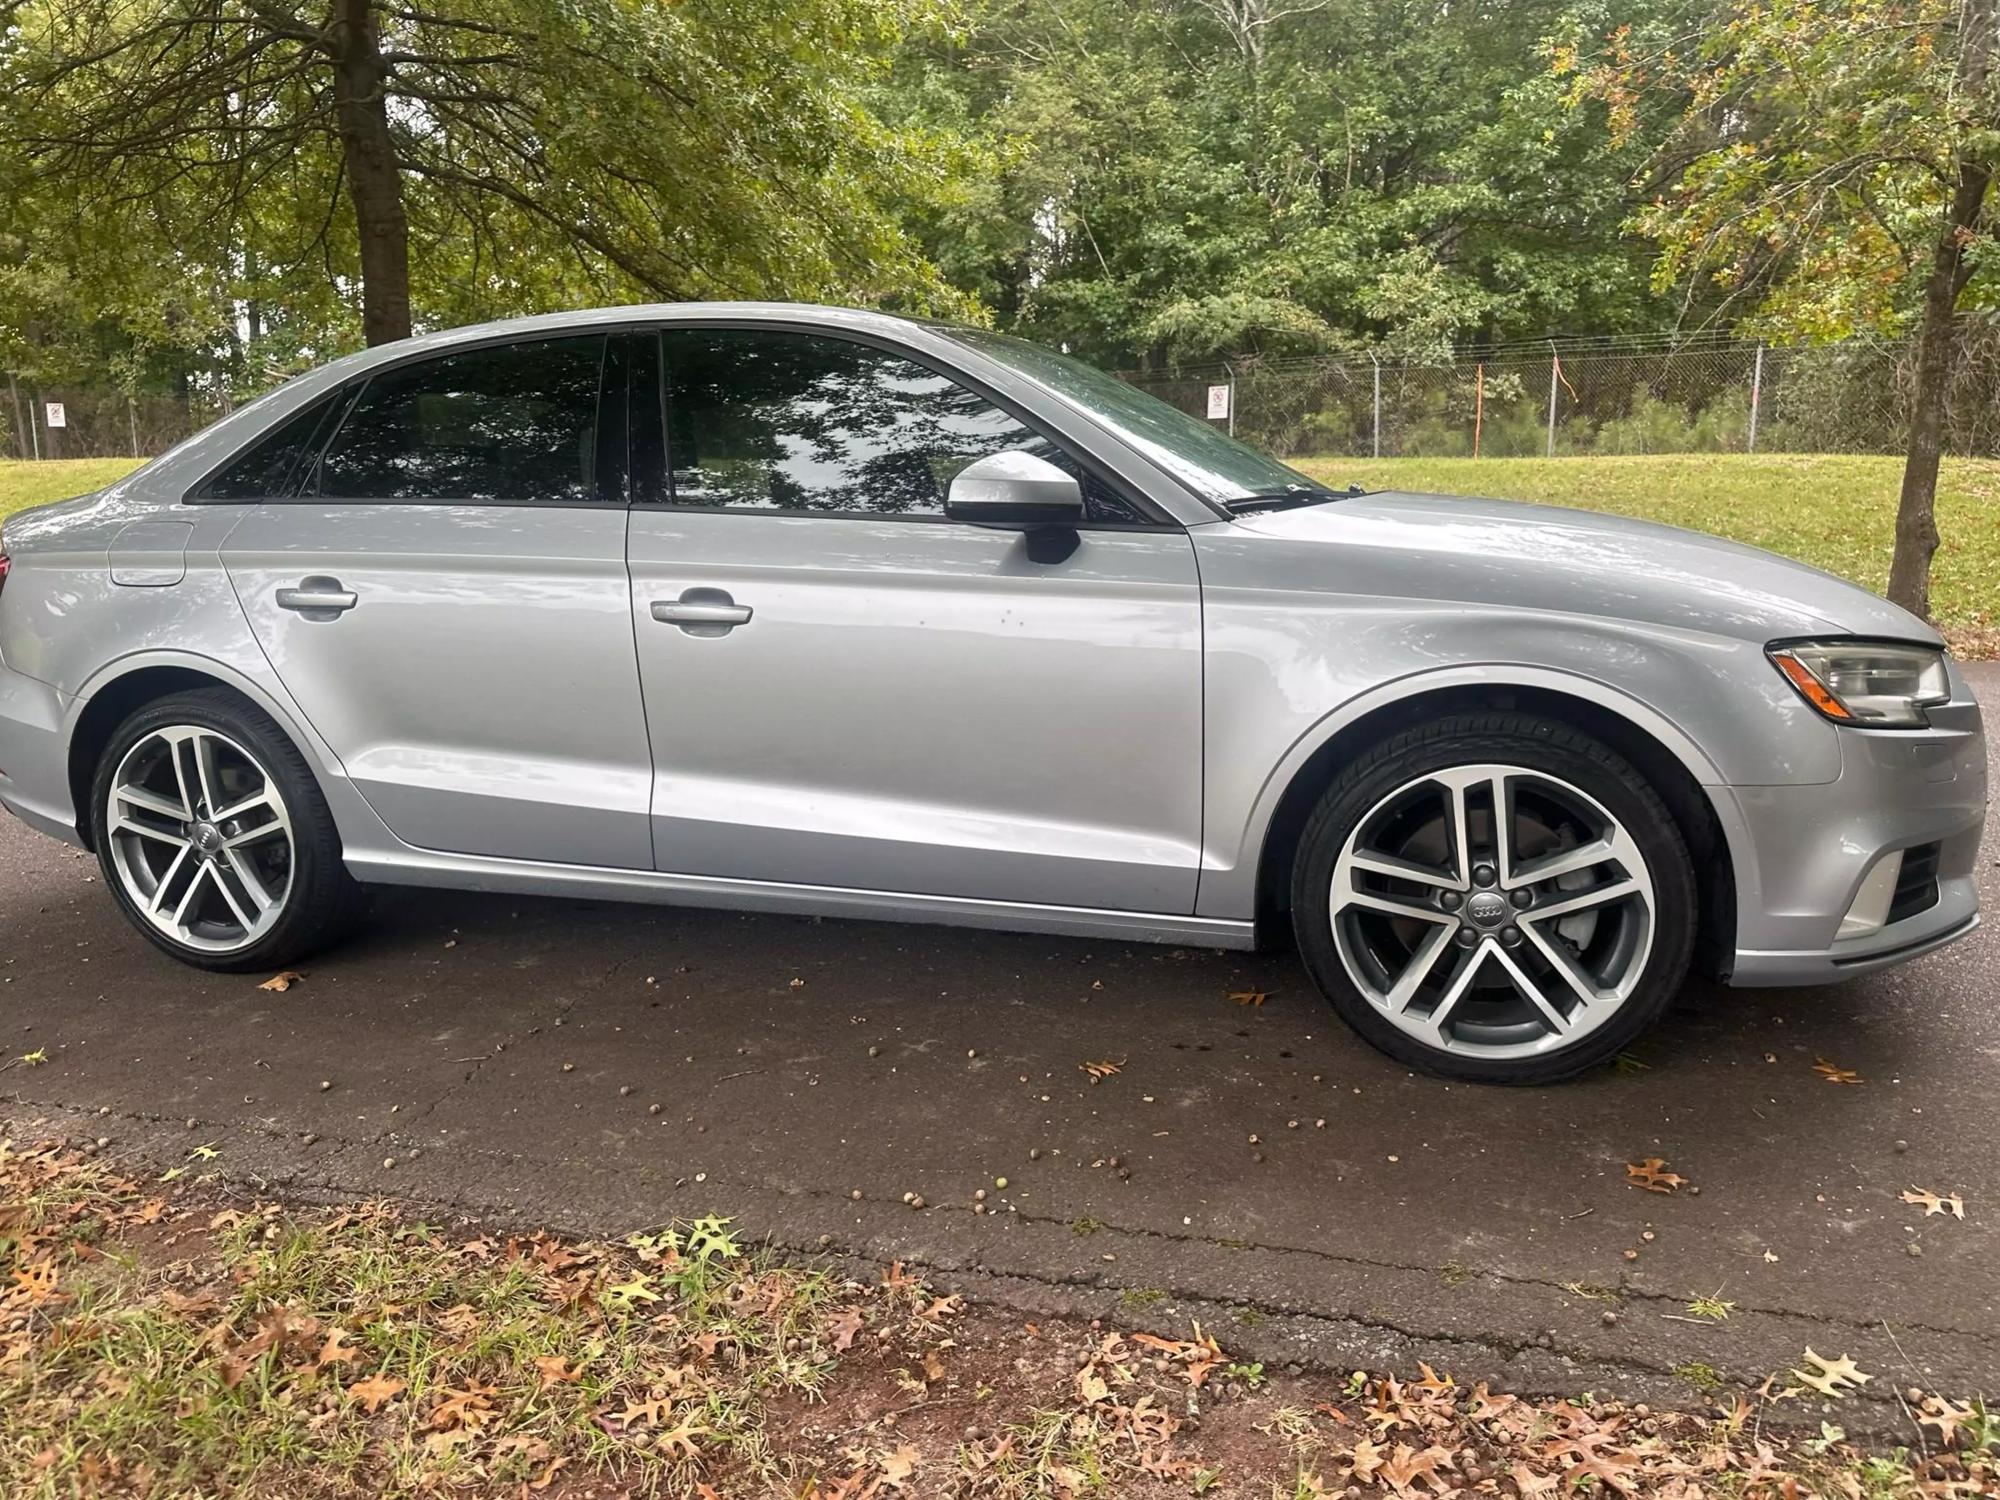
[[1834, 511], [23, 484], [177, 1339]]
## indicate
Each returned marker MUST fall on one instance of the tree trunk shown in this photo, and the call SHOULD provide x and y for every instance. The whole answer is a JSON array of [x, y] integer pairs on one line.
[[1916, 507], [374, 177]]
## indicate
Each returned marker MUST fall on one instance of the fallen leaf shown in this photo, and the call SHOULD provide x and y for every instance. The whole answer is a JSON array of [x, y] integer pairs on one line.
[[1364, 1460], [1651, 1174], [469, 1408], [1102, 1069], [1947, 1417], [1432, 1381], [1250, 997], [1835, 1377], [336, 1350], [1833, 1074], [558, 1371], [279, 983], [1936, 1203], [845, 1328], [375, 1392]]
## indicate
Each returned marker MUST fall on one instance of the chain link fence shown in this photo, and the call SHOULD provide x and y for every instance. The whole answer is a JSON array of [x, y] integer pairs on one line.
[[92, 422], [1630, 394], [1609, 396]]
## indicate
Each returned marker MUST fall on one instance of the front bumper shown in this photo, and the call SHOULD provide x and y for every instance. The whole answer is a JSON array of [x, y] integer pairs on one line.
[[1802, 853], [34, 769]]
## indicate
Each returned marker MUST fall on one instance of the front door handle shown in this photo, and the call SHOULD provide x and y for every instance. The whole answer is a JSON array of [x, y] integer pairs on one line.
[[707, 612], [318, 598]]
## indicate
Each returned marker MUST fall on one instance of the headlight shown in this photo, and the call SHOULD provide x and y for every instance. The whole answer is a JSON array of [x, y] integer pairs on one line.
[[1868, 684]]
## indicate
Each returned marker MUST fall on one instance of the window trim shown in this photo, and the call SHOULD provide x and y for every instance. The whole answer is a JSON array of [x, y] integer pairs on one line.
[[348, 393], [333, 403], [1117, 483], [369, 377]]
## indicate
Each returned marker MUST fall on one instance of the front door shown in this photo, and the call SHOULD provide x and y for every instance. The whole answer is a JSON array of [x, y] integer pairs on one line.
[[446, 599], [843, 688]]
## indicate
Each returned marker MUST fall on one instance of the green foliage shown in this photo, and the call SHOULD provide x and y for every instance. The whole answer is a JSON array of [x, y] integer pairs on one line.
[[176, 190], [1813, 159], [1169, 187]]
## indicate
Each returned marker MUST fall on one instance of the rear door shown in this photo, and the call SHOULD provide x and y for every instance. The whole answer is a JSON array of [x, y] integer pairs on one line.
[[445, 597], [844, 688]]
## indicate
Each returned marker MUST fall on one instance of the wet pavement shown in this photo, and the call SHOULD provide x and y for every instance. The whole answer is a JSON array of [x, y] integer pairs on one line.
[[601, 1068]]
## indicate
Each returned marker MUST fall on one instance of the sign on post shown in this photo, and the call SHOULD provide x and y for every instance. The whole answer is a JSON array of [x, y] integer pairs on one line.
[[1218, 403], [54, 415]]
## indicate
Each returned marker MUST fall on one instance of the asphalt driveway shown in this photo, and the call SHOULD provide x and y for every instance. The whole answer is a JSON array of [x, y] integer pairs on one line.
[[1251, 1165]]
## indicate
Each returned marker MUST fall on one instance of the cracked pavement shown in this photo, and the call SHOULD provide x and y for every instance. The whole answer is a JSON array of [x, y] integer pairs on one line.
[[600, 1068]]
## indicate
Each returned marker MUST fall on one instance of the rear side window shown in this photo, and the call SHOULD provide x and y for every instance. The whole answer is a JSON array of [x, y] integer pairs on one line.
[[509, 423], [272, 465], [782, 421]]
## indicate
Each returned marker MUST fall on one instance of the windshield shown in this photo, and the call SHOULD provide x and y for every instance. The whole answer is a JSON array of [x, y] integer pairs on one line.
[[1209, 462]]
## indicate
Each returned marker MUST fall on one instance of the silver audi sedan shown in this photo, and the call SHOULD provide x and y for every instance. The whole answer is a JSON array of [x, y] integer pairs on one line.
[[807, 610]]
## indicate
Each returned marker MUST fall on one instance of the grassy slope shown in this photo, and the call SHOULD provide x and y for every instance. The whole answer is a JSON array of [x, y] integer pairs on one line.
[[26, 484], [1829, 510], [1835, 512]]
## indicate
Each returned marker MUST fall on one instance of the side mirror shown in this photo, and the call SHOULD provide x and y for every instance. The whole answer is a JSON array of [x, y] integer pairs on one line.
[[1015, 491]]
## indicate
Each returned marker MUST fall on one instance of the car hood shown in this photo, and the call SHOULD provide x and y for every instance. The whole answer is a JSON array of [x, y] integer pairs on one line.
[[1504, 552]]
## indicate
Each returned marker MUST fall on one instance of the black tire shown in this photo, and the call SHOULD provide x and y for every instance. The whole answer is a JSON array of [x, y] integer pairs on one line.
[[324, 901], [1540, 744]]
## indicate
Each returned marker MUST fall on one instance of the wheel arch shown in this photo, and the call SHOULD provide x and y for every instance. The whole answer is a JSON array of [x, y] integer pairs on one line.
[[1677, 769], [124, 687]]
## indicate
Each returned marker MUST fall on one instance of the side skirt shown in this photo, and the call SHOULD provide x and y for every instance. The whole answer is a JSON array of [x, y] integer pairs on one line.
[[526, 877]]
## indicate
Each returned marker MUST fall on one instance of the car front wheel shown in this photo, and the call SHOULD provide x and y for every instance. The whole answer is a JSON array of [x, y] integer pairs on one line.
[[214, 837], [1495, 896]]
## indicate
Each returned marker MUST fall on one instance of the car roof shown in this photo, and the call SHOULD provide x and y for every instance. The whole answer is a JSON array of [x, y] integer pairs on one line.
[[855, 319]]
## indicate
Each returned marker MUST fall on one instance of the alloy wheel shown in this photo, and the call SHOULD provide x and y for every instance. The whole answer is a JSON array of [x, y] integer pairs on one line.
[[1493, 911], [201, 839]]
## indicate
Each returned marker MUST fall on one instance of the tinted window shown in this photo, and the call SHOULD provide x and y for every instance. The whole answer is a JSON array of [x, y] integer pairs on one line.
[[512, 422], [1209, 461], [267, 469], [798, 422]]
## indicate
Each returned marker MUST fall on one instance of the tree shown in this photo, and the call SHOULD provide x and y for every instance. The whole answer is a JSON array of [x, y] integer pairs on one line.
[[455, 158], [1192, 179], [1830, 177]]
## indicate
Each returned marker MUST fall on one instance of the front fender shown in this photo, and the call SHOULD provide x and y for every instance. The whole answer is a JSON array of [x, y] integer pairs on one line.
[[1284, 679]]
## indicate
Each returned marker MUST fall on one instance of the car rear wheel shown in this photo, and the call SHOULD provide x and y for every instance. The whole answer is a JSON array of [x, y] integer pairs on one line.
[[1495, 897], [214, 838]]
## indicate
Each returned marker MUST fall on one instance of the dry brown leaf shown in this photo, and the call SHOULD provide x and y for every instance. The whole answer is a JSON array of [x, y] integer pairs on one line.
[[1651, 1174], [469, 1408], [556, 1370], [1432, 1381], [1102, 1069], [336, 1350], [279, 983], [376, 1392], [1936, 1203], [1364, 1460], [1946, 1416], [1834, 1377], [1529, 1484], [1250, 997], [898, 1465], [678, 1441], [1833, 1074], [846, 1328]]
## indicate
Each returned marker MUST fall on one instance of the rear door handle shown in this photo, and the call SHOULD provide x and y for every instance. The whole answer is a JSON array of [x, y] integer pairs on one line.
[[702, 612], [318, 598]]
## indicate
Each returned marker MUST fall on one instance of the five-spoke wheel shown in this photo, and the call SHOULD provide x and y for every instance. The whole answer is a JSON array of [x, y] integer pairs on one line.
[[200, 838], [1492, 909], [215, 837], [1496, 897]]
